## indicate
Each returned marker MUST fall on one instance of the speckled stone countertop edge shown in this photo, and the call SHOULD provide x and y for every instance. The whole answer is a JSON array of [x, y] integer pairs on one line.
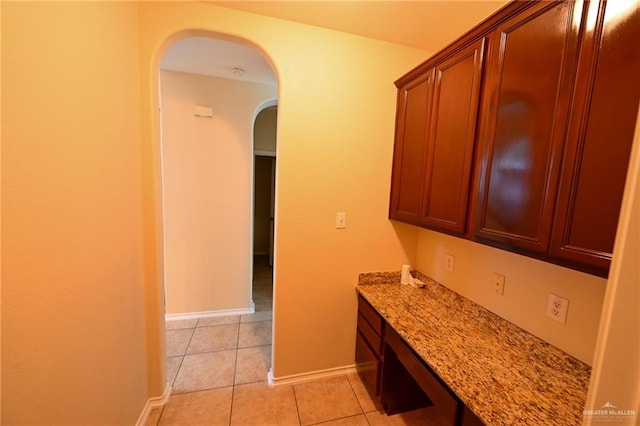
[[367, 278], [475, 352]]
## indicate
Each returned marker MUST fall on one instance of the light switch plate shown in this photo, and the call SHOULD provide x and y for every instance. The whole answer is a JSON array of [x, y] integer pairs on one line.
[[448, 262], [498, 283]]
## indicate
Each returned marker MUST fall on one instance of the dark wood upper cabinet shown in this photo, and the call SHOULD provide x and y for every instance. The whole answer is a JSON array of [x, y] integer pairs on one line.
[[435, 134], [413, 118], [600, 135], [451, 140], [554, 89], [530, 72]]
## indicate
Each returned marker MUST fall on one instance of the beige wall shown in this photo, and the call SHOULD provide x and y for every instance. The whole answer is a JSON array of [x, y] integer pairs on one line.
[[73, 319], [527, 287], [336, 110], [207, 166]]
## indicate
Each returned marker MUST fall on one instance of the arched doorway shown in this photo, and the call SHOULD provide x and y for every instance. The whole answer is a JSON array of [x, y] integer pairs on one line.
[[207, 125], [207, 165]]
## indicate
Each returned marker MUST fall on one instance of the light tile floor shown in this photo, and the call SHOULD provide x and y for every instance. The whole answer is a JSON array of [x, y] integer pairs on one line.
[[218, 369]]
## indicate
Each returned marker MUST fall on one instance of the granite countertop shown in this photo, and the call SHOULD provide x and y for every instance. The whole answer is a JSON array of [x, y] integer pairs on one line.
[[504, 374]]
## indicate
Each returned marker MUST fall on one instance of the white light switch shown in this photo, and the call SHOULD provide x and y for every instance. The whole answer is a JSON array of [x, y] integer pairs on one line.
[[341, 220], [498, 283], [448, 262]]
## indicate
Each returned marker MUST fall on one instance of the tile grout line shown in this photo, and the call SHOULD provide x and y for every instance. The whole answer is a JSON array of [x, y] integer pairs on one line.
[[193, 332], [236, 349], [235, 370], [355, 394], [233, 394], [177, 371], [324, 422], [184, 354], [295, 399], [181, 362], [361, 414], [364, 412], [161, 413]]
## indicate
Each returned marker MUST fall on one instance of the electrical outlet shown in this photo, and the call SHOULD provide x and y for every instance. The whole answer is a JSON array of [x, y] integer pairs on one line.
[[448, 262], [557, 308], [498, 283]]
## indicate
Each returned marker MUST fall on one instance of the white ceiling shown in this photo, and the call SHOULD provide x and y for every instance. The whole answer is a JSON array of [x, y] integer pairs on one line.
[[411, 23], [217, 58]]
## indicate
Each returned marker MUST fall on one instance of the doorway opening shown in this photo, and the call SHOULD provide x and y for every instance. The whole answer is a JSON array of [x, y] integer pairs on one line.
[[217, 333], [264, 137]]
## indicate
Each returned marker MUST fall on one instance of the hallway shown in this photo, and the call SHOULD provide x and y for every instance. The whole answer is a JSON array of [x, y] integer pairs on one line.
[[215, 352], [218, 370]]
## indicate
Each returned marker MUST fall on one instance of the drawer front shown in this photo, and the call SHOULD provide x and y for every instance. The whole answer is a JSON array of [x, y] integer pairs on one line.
[[368, 366], [371, 315], [446, 404], [370, 335]]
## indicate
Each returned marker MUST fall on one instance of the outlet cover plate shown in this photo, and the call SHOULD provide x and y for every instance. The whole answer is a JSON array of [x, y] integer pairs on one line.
[[557, 308], [448, 262]]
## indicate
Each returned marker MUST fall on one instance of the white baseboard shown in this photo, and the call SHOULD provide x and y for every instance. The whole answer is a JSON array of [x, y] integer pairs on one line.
[[152, 403], [210, 314], [308, 377]]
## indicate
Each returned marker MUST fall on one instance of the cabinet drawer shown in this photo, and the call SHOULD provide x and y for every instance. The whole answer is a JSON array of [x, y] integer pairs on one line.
[[368, 366], [440, 396], [371, 315], [370, 335]]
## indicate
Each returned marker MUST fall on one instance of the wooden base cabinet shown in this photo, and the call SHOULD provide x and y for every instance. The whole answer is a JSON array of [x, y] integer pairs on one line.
[[407, 383], [369, 338], [397, 379], [369, 366]]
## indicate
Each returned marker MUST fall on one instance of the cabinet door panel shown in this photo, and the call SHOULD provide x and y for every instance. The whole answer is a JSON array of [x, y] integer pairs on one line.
[[531, 64], [412, 125], [368, 366], [600, 136], [452, 137]]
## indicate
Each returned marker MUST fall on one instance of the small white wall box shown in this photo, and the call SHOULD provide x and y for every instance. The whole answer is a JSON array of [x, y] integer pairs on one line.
[[202, 111]]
